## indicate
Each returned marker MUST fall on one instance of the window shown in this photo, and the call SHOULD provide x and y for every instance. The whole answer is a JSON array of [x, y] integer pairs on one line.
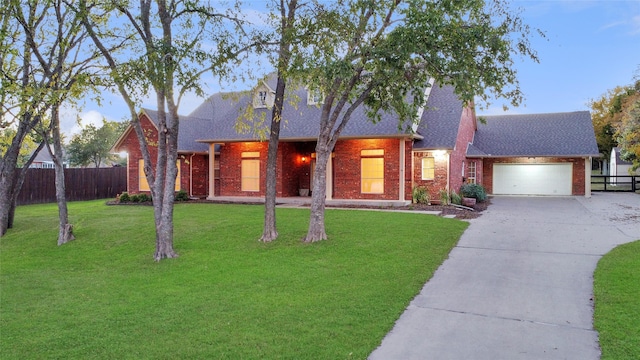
[[250, 171], [314, 97], [143, 185], [262, 97], [471, 172], [216, 168], [428, 168], [372, 171]]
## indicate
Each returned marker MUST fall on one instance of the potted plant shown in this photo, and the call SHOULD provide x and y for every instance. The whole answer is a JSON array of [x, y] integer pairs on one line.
[[472, 193]]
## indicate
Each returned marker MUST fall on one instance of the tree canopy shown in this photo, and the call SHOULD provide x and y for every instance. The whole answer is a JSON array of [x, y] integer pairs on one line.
[[91, 147], [383, 54], [616, 122]]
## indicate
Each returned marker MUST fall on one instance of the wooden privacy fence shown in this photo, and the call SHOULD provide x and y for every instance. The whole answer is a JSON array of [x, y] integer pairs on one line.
[[81, 184]]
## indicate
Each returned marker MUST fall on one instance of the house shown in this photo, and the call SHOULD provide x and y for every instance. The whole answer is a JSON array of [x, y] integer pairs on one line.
[[380, 161], [43, 160], [619, 167]]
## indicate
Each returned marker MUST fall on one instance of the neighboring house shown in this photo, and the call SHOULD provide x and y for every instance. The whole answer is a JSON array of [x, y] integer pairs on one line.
[[372, 161], [618, 166], [44, 161]]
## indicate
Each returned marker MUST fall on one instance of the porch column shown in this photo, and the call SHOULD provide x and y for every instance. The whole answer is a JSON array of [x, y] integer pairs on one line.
[[329, 178], [212, 171], [402, 170], [587, 177]]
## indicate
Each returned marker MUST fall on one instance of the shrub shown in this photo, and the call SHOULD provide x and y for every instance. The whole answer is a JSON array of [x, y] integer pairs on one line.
[[144, 197], [473, 191], [182, 196], [421, 195], [444, 197], [455, 198], [124, 197], [135, 198]]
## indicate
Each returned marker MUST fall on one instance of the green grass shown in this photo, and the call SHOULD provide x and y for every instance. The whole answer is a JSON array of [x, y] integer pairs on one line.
[[227, 296], [617, 306]]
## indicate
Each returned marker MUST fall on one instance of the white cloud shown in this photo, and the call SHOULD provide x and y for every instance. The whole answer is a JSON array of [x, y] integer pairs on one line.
[[71, 122]]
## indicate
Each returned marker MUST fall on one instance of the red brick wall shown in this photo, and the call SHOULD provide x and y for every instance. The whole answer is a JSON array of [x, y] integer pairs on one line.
[[196, 165], [453, 160], [131, 146], [231, 168], [199, 163], [440, 177], [347, 168], [578, 170]]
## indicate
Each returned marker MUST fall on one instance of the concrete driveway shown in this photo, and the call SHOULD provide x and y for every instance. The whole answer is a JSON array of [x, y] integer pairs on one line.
[[519, 283]]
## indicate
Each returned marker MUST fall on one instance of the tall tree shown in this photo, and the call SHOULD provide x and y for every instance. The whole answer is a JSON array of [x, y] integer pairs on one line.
[[614, 120], [628, 129], [23, 99], [55, 37], [91, 147], [169, 45], [604, 115], [380, 54], [286, 29]]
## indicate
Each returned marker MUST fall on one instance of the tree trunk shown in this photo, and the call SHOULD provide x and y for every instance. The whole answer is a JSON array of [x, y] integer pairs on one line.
[[65, 233], [17, 187], [316, 220], [8, 174], [163, 209], [6, 196], [164, 233], [270, 232]]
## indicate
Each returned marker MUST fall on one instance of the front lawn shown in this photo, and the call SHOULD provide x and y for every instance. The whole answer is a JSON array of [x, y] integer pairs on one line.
[[617, 307], [227, 296]]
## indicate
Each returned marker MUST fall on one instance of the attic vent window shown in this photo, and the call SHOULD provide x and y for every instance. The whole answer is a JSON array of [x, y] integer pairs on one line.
[[314, 97], [262, 98]]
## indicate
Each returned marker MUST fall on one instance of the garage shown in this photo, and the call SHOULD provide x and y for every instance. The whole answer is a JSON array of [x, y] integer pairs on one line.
[[532, 179]]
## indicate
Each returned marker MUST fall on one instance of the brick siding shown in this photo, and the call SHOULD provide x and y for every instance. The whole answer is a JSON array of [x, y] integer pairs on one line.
[[197, 164]]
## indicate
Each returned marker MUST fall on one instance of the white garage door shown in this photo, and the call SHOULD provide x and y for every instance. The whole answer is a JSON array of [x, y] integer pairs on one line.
[[532, 179]]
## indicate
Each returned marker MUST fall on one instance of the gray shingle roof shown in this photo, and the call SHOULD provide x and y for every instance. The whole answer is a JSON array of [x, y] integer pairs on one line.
[[188, 133], [556, 134], [440, 119], [301, 121]]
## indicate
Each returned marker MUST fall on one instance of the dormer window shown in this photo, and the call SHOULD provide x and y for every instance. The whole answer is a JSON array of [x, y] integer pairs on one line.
[[314, 97], [262, 98]]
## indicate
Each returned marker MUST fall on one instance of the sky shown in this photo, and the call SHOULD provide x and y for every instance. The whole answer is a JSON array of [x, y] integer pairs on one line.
[[589, 48]]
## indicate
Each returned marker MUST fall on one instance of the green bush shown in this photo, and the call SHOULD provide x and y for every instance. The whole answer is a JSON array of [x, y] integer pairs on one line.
[[144, 197], [421, 195], [455, 198], [124, 197], [474, 191], [444, 197], [182, 196]]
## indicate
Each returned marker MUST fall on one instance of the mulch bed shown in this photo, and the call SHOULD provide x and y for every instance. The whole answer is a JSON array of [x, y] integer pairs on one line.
[[443, 209]]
